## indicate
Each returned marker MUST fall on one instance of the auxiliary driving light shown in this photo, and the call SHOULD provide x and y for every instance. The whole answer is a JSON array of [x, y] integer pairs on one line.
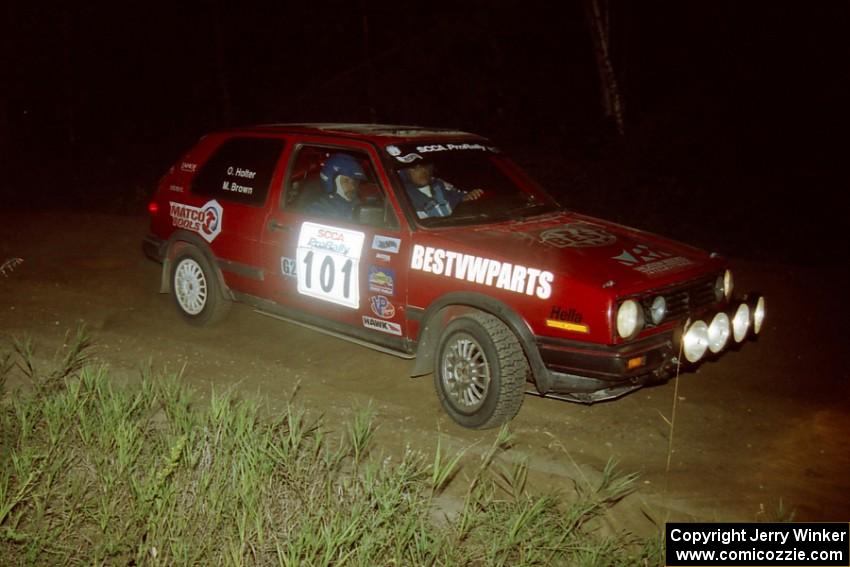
[[741, 323], [718, 332], [758, 314], [695, 341]]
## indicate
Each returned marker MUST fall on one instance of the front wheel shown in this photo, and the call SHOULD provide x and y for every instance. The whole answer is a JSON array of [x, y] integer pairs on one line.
[[480, 371], [196, 290]]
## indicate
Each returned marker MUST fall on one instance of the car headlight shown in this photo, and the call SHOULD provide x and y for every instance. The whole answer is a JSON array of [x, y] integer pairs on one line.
[[723, 286], [658, 309], [695, 341], [629, 319]]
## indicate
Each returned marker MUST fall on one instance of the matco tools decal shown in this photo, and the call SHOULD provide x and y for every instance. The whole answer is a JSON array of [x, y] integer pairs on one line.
[[205, 220]]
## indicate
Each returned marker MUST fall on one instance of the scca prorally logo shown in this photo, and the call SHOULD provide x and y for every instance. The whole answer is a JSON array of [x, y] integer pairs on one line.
[[205, 220], [577, 235]]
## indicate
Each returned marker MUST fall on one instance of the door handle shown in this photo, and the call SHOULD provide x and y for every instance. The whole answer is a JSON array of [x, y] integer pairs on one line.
[[277, 225]]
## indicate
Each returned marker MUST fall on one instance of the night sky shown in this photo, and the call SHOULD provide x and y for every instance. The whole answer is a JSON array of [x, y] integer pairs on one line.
[[735, 112]]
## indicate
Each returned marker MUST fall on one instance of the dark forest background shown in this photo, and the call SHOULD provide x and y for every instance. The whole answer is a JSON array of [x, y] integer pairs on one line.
[[734, 132]]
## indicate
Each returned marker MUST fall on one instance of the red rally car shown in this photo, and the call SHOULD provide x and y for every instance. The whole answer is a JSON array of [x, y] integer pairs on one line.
[[433, 245]]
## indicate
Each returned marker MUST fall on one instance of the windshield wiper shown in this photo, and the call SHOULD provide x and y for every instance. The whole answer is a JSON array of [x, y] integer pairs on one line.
[[452, 219], [531, 209]]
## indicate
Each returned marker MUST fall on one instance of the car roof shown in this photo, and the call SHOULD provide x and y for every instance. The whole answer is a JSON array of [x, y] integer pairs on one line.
[[378, 133]]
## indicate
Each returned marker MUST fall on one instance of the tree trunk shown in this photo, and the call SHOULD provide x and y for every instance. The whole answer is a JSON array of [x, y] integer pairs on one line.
[[598, 22], [225, 103]]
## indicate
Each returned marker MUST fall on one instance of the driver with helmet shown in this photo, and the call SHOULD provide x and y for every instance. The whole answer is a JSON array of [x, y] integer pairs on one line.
[[340, 176]]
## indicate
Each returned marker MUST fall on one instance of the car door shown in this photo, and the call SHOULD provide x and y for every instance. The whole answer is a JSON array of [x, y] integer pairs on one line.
[[343, 273], [233, 184]]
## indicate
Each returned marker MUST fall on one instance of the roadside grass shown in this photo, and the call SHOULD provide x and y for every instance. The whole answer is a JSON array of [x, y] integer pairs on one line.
[[148, 474]]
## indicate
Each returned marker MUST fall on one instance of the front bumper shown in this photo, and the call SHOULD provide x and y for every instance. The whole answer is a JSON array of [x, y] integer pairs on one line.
[[589, 373]]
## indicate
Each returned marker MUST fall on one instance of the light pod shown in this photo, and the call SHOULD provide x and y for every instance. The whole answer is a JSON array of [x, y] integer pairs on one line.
[[758, 314], [718, 332], [695, 341], [741, 322]]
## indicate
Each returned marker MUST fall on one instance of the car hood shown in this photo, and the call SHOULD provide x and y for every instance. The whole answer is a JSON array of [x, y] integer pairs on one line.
[[587, 249]]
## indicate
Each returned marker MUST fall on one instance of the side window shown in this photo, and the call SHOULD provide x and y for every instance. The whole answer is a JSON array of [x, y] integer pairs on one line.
[[240, 170], [337, 184]]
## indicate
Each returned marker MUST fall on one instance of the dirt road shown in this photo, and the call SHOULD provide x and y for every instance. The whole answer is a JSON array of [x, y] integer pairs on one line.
[[767, 423]]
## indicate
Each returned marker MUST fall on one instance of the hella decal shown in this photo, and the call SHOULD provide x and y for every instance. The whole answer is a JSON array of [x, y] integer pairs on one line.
[[485, 271], [386, 244], [205, 220], [382, 307], [381, 325], [567, 320], [577, 235], [381, 279]]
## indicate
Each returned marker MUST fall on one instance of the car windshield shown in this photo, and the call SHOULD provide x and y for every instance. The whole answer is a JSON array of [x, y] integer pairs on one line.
[[462, 183]]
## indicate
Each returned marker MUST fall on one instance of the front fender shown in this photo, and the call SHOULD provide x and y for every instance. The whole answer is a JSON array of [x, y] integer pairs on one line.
[[456, 304]]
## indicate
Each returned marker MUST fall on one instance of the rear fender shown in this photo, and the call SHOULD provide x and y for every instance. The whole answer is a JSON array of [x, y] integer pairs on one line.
[[178, 242]]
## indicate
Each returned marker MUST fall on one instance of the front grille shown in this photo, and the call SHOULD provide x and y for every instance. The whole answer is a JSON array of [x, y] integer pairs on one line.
[[683, 299]]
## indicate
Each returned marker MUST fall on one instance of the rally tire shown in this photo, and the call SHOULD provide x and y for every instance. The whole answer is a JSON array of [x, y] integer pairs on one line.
[[196, 289], [480, 371]]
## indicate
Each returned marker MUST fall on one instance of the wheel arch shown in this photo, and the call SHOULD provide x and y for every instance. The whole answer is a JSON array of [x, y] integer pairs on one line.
[[180, 240], [457, 304]]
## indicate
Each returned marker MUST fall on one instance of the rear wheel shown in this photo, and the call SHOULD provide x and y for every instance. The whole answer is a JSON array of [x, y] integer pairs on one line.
[[196, 290], [480, 371]]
